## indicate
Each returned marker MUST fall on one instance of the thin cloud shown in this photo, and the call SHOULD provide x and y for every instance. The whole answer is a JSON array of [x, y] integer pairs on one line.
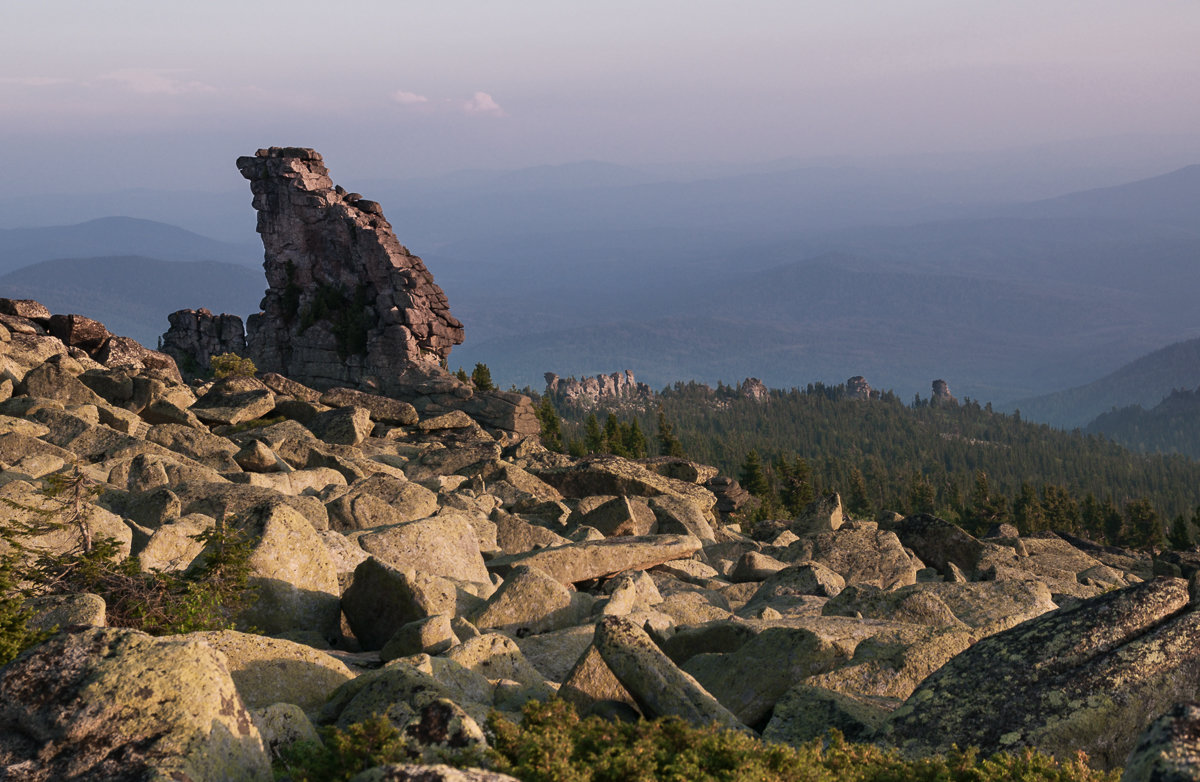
[[482, 103], [152, 81], [406, 98], [33, 81]]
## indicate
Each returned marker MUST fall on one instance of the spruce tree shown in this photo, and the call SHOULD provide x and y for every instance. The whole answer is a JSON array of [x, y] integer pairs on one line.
[[634, 440], [668, 443], [593, 438], [551, 425], [752, 477], [481, 377], [1180, 537]]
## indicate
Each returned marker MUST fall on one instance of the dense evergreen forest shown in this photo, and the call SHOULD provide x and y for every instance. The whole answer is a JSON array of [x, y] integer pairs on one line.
[[961, 461], [1171, 426]]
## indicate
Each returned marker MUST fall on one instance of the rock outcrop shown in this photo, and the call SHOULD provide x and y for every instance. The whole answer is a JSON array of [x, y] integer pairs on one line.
[[195, 336], [941, 394], [591, 391], [347, 304], [857, 387]]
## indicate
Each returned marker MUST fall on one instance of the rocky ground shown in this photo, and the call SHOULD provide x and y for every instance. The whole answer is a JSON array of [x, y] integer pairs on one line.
[[427, 568]]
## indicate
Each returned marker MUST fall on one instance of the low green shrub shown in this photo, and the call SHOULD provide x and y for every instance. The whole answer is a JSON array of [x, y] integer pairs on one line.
[[553, 744], [15, 634], [343, 753], [231, 364], [206, 597]]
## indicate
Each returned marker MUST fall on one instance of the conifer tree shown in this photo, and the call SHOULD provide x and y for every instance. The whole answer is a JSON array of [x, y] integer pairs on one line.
[[1028, 514], [1180, 537], [614, 440], [668, 443], [634, 440], [1142, 525], [857, 501], [481, 377], [752, 477], [551, 425], [593, 438]]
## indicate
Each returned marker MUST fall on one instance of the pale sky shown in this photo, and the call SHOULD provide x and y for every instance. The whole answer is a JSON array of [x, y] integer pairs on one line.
[[108, 94]]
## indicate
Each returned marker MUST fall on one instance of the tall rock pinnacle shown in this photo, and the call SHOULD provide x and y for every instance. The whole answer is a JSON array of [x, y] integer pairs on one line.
[[347, 304]]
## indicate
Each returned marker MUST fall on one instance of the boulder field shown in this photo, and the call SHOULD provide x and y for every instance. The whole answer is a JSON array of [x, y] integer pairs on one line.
[[428, 568]]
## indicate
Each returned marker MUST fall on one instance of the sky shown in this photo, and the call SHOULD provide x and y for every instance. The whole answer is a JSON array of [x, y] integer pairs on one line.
[[113, 94]]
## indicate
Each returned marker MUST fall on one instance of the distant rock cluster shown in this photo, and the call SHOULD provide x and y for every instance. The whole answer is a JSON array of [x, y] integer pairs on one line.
[[857, 387], [941, 394], [618, 386]]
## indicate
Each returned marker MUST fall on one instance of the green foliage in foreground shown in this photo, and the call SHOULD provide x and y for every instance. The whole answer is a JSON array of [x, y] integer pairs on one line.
[[15, 633], [553, 744], [231, 365], [343, 753], [207, 597]]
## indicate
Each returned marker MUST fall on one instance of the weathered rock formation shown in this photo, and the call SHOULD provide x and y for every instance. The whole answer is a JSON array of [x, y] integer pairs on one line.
[[589, 391], [195, 336], [941, 394], [753, 388], [858, 387], [347, 304]]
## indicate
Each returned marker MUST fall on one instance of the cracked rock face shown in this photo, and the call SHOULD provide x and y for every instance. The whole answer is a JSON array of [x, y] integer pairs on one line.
[[347, 304], [1083, 678]]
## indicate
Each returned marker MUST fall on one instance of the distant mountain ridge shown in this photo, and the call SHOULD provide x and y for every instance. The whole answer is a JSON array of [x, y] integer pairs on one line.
[[1145, 382], [116, 236], [1169, 199], [1171, 426], [751, 275]]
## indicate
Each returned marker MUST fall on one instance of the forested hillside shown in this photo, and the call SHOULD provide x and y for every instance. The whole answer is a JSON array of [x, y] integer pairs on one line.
[[1171, 426], [962, 461]]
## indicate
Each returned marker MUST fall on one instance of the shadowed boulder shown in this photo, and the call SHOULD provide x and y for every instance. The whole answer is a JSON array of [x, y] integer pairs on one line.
[[1089, 678]]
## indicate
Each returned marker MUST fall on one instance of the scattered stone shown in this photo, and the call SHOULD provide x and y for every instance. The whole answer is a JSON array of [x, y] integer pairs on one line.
[[658, 686]]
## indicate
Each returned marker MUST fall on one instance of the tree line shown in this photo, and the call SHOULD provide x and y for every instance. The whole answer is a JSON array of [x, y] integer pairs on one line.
[[964, 462]]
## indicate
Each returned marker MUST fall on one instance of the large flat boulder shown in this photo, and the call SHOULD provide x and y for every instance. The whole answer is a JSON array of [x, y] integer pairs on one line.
[[117, 704], [1090, 677], [443, 545], [595, 558]]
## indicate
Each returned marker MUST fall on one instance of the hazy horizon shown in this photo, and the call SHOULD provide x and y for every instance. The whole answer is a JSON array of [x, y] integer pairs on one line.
[[164, 97]]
